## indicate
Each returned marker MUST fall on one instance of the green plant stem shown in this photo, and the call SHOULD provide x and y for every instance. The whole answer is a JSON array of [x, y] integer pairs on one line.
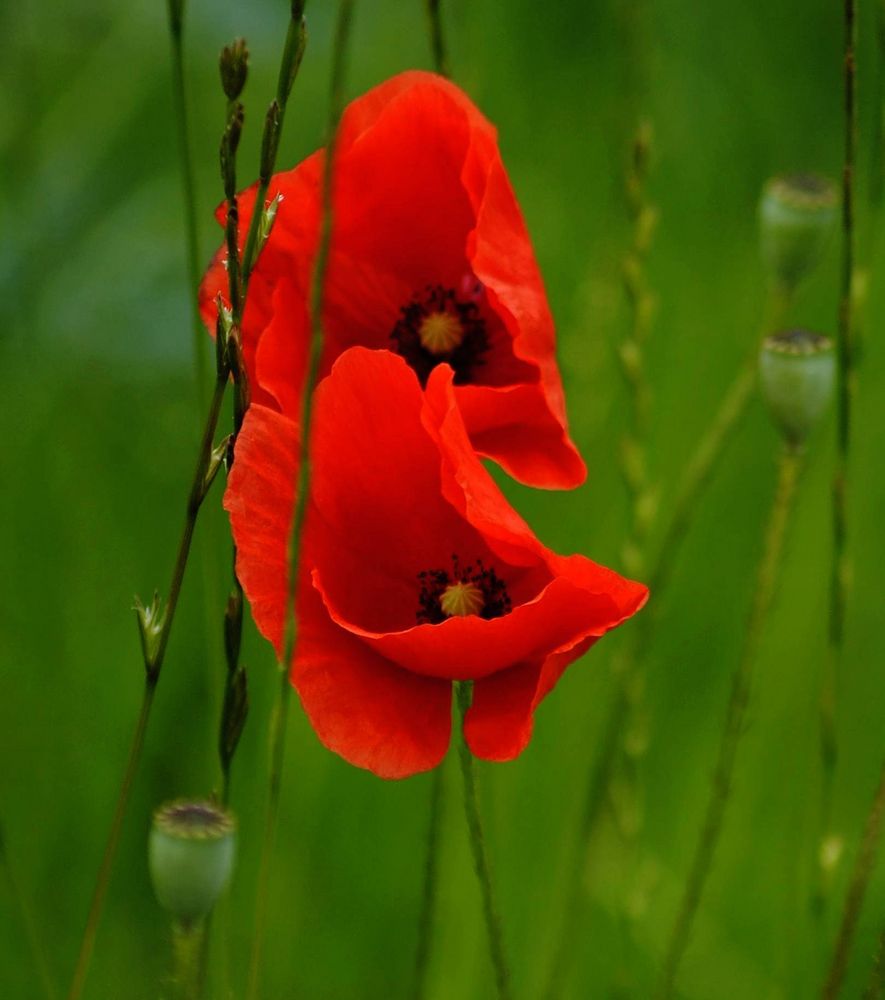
[[87, 945], [876, 987], [769, 570], [279, 723], [187, 947], [860, 878], [428, 898], [696, 478], [35, 942], [437, 38], [192, 246], [840, 570], [152, 675], [293, 51], [463, 695]]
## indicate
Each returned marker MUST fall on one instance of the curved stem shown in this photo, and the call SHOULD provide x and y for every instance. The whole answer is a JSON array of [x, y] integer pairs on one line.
[[107, 862], [860, 877], [278, 739], [769, 569], [35, 943], [437, 38], [428, 899], [839, 572], [463, 694], [153, 666]]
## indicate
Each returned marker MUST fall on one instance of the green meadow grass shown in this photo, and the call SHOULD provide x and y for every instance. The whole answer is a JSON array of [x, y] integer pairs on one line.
[[98, 424]]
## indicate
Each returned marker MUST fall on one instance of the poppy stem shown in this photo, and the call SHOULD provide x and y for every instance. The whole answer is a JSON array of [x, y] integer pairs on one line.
[[35, 942], [437, 38], [768, 572], [315, 347], [840, 568], [431, 872], [187, 947], [463, 695], [188, 184], [154, 651], [863, 870]]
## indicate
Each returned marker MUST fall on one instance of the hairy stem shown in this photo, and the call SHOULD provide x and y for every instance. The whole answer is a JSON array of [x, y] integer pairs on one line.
[[187, 946], [769, 570], [860, 878], [463, 694], [278, 733]]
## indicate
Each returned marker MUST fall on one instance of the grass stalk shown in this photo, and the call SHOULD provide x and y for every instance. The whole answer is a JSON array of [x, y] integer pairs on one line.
[[431, 875], [154, 655], [768, 573], [29, 923], [857, 887], [189, 196], [463, 694], [279, 723], [840, 569], [437, 38]]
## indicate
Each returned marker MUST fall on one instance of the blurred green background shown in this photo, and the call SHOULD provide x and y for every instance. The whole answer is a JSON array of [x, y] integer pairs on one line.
[[99, 431]]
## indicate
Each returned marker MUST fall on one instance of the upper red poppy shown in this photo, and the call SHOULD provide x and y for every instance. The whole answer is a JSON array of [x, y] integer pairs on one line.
[[430, 258], [415, 572]]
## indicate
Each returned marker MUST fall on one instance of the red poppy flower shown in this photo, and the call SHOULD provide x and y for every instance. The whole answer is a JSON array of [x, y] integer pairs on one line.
[[416, 572], [430, 258]]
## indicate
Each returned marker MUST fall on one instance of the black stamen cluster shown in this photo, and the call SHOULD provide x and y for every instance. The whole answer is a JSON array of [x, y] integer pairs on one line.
[[496, 600], [464, 358]]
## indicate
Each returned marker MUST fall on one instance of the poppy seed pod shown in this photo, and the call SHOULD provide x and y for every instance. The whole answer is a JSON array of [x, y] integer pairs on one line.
[[797, 215], [191, 855], [797, 370]]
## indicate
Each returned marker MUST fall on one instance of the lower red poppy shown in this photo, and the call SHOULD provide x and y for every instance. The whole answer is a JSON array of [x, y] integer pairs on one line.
[[415, 572]]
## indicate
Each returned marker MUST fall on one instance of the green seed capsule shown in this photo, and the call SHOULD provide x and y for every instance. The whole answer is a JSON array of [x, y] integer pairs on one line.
[[191, 856], [797, 370], [797, 216]]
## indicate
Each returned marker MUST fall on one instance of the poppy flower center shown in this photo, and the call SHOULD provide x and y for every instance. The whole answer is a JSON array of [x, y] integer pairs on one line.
[[461, 592], [439, 326]]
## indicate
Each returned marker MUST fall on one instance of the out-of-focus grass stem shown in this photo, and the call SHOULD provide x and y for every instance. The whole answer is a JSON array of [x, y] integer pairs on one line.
[[876, 987], [840, 570], [463, 694], [428, 895], [857, 887], [768, 573], [192, 244], [437, 37], [23, 904], [281, 709]]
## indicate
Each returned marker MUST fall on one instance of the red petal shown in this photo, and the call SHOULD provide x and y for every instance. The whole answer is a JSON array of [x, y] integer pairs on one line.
[[500, 719], [373, 714]]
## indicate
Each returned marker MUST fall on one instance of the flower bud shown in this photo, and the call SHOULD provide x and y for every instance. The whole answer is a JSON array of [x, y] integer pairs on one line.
[[797, 370], [191, 855], [797, 216], [234, 66]]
